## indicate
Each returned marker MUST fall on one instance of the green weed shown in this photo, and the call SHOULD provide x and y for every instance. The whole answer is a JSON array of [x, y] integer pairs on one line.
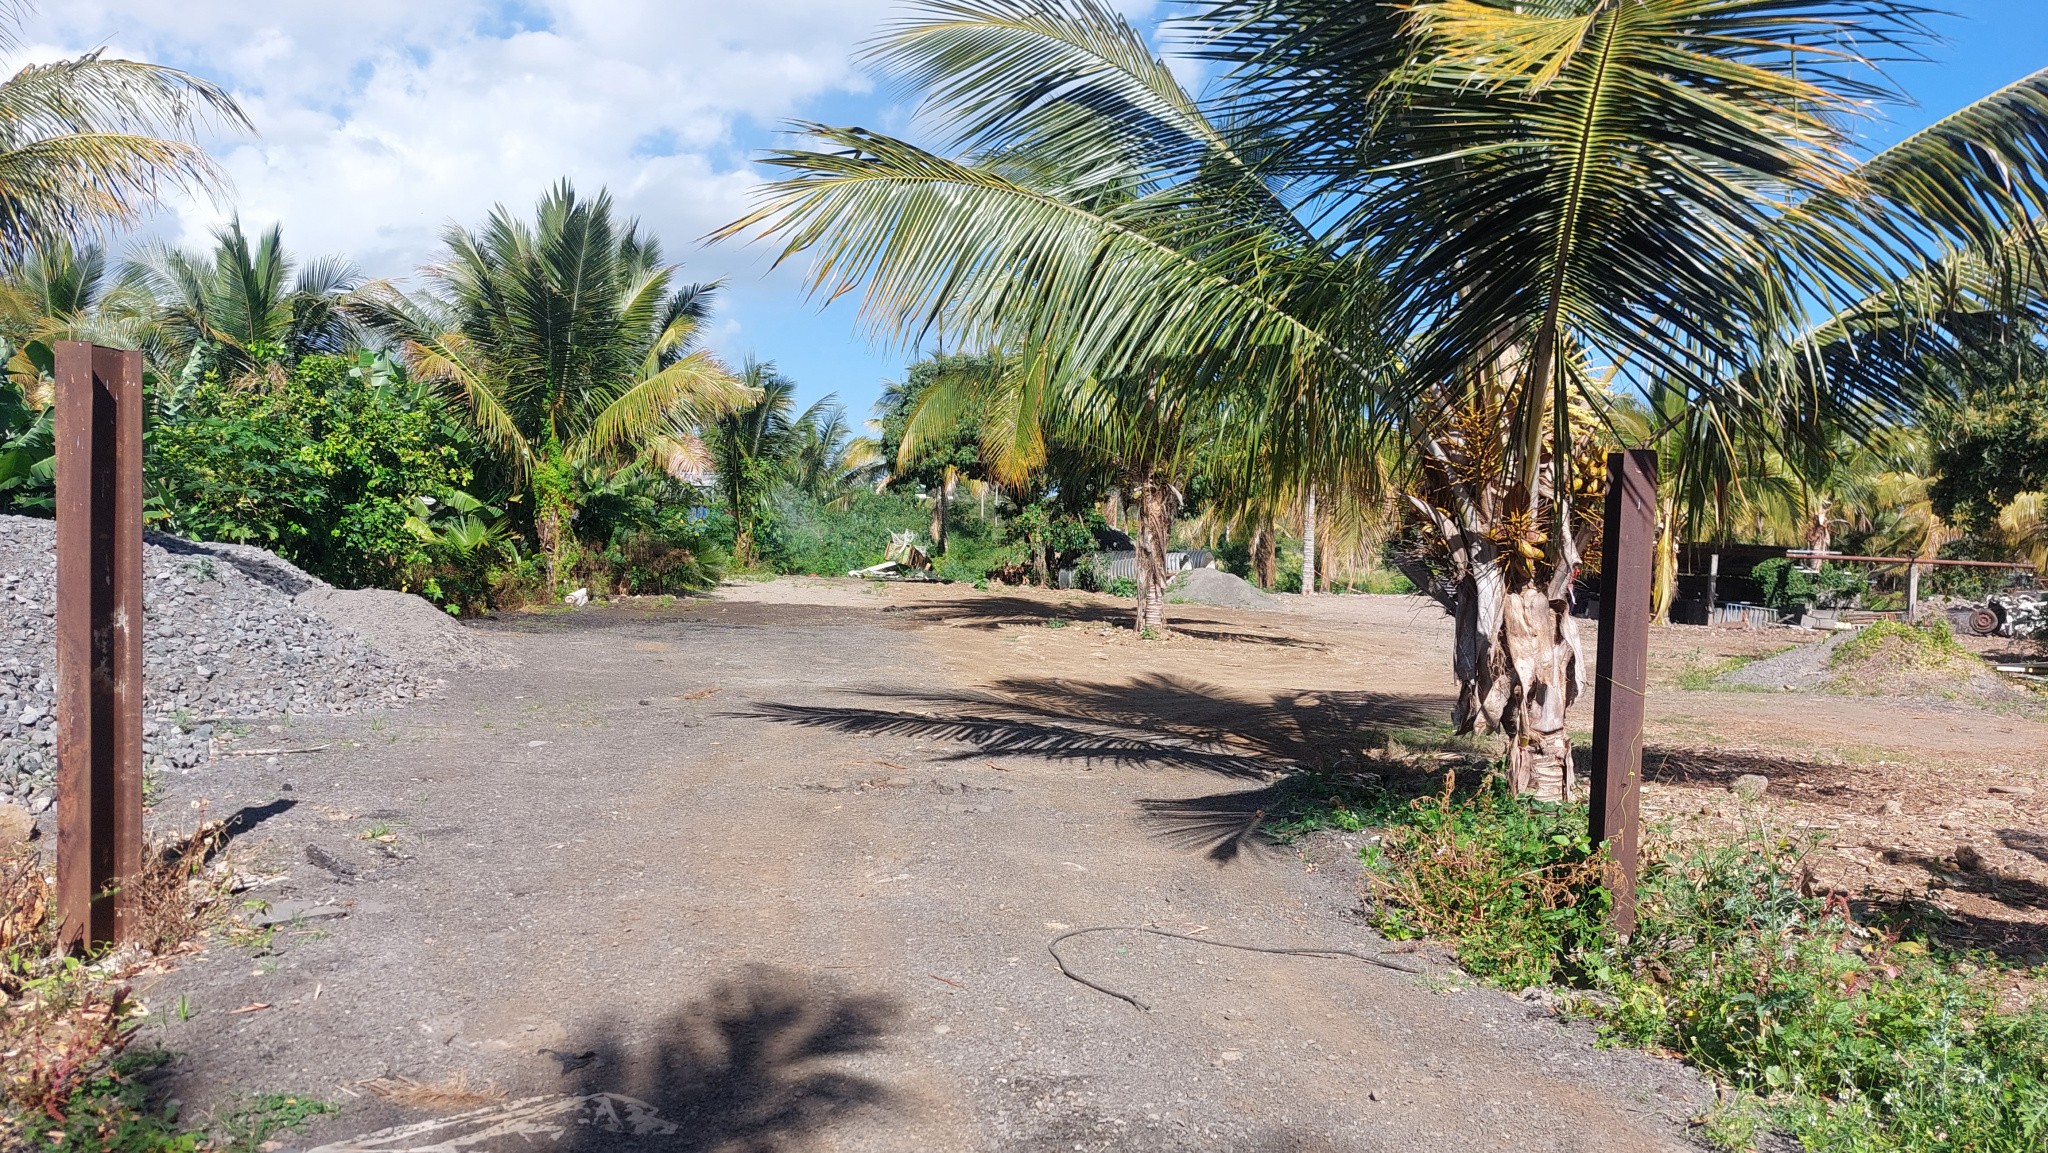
[[246, 1129], [1057, 622], [1930, 646], [1824, 1028]]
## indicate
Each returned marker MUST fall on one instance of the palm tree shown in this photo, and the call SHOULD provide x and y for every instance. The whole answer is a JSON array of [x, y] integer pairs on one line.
[[1423, 209], [570, 343], [89, 144], [751, 448], [247, 309], [63, 291]]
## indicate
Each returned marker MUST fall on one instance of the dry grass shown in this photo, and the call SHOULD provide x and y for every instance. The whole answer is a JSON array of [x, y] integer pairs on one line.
[[452, 1092], [65, 1016]]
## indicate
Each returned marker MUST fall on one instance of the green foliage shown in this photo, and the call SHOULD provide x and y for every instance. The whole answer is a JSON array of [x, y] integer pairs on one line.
[[801, 534], [246, 1130], [1514, 882], [1124, 587], [1828, 1030], [1995, 445], [1787, 585], [27, 455], [111, 1111], [321, 467], [643, 532]]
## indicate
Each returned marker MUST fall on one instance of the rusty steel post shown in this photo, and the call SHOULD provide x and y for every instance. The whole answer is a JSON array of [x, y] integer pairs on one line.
[[99, 641], [1621, 672]]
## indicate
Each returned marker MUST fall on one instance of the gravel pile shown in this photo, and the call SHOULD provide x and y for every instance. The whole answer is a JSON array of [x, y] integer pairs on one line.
[[1213, 586], [225, 637]]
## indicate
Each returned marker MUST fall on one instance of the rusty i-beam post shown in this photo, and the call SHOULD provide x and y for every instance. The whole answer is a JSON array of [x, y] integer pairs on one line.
[[99, 641], [1627, 559]]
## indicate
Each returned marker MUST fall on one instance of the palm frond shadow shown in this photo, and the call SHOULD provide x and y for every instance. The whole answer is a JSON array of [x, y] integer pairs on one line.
[[1222, 827], [753, 1065], [1155, 720], [994, 612]]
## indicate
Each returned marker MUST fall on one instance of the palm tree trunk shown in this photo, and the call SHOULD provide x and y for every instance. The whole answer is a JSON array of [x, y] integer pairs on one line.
[[942, 507], [1516, 656], [1308, 544], [1519, 668], [1158, 501], [1265, 562]]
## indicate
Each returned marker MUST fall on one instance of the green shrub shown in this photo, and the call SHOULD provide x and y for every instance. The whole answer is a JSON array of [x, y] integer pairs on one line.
[[323, 468], [1830, 1031]]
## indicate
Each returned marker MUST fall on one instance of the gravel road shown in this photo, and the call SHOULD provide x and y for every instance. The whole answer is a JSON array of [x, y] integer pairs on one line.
[[732, 876]]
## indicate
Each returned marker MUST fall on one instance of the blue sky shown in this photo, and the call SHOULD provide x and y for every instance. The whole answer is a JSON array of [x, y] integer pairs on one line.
[[380, 121]]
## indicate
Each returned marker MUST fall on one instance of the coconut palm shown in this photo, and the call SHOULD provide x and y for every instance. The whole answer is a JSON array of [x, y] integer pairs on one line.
[[766, 445], [63, 291], [570, 343], [246, 309], [1423, 209], [91, 143]]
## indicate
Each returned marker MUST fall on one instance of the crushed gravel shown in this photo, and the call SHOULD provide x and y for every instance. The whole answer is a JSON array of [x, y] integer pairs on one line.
[[1213, 586], [231, 633]]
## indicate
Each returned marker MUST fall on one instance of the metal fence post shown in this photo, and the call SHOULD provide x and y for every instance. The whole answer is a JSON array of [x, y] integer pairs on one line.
[[99, 641], [1621, 673]]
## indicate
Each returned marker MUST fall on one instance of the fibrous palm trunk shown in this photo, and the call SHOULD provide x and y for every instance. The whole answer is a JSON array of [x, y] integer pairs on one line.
[[1265, 558], [1518, 662], [1158, 502]]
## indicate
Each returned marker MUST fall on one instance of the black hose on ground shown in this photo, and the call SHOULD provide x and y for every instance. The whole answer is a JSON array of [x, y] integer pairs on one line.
[[1053, 947]]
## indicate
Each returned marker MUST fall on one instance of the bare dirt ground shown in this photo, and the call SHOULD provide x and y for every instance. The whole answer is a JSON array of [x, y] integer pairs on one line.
[[777, 870]]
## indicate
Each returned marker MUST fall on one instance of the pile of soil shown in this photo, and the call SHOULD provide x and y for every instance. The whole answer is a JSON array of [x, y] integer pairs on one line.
[[1213, 586], [230, 632], [1888, 663]]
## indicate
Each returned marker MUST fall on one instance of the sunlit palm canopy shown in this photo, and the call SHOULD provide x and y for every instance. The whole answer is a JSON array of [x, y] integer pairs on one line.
[[569, 335], [89, 144], [1377, 198]]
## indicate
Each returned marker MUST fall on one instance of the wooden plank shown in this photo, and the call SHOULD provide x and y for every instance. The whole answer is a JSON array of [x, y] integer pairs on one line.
[[1621, 672], [98, 426]]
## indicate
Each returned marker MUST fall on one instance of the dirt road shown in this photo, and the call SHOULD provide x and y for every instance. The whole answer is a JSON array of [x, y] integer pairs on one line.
[[778, 871]]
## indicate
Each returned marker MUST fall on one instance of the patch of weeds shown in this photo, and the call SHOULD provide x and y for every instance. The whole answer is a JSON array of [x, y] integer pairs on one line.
[[1151, 634], [381, 831], [1314, 802], [246, 1129], [66, 1082], [1124, 587], [1057, 622], [1822, 1028], [111, 1111], [1930, 646], [1701, 676]]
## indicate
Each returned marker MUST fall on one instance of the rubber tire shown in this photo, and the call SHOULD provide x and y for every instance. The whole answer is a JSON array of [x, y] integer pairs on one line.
[[1983, 622]]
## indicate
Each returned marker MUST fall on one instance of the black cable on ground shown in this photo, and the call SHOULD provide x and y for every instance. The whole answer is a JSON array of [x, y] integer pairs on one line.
[[1053, 947]]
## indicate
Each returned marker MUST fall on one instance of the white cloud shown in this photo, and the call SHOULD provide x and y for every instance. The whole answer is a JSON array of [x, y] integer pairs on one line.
[[381, 121]]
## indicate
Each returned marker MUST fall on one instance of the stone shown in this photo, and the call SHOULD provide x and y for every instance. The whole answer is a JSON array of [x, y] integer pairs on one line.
[[1750, 786], [1968, 859], [2013, 790], [1894, 809], [16, 825]]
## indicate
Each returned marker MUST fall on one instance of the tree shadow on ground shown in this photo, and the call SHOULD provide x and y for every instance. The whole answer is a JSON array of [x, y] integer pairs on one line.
[[2012, 941], [753, 1067], [1153, 720], [994, 612], [1718, 768]]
